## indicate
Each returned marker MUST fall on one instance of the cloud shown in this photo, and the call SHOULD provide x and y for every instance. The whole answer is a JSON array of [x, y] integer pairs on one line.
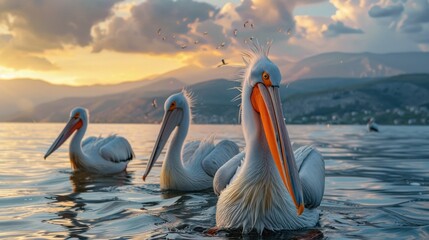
[[5, 38], [422, 38], [53, 23], [415, 16], [338, 28], [207, 25], [412, 28], [16, 59], [155, 26], [204, 31], [392, 10], [36, 26], [409, 18], [312, 32], [271, 20]]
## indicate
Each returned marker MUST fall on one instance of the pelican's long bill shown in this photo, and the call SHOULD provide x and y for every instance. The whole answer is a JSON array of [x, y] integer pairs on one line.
[[266, 101], [171, 119], [73, 124]]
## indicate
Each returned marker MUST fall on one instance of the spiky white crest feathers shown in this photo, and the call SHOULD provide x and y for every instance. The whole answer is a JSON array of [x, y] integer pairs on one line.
[[250, 56]]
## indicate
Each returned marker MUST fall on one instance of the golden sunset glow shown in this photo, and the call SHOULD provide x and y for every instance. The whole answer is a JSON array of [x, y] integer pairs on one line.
[[81, 67], [112, 41]]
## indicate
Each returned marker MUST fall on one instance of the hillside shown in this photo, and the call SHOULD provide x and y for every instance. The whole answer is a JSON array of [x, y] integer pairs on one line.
[[323, 71], [402, 99], [358, 65], [23, 95], [135, 106], [103, 108], [19, 95]]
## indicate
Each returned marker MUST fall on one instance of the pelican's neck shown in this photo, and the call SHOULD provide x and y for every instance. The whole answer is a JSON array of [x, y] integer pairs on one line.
[[76, 152], [173, 159], [258, 156], [258, 162]]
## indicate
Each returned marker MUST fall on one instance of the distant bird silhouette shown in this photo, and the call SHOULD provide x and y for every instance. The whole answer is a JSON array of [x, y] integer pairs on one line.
[[205, 33], [154, 103], [372, 126], [159, 31], [221, 45], [235, 32], [245, 23], [223, 63], [154, 106], [196, 42], [183, 46]]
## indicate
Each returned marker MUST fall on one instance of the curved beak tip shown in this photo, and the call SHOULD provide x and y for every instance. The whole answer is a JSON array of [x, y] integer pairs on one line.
[[144, 178]]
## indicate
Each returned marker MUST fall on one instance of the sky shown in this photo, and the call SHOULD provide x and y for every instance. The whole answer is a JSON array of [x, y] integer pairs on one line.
[[84, 42]]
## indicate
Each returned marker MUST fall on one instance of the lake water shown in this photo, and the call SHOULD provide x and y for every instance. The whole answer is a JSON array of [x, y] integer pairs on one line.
[[377, 186]]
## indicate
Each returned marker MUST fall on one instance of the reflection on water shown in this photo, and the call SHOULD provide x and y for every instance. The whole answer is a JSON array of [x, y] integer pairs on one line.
[[377, 186], [86, 182]]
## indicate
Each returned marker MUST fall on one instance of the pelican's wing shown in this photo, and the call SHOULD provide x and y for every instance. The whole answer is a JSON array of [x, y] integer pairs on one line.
[[88, 140], [202, 150], [221, 153], [189, 150], [311, 168], [227, 173], [116, 149]]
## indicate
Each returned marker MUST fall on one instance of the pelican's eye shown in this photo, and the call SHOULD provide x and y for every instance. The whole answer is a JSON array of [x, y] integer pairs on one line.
[[266, 79], [173, 106], [76, 116]]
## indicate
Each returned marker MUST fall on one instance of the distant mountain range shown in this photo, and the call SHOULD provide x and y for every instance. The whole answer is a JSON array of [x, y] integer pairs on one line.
[[135, 106], [357, 65], [402, 99], [23, 95], [317, 98]]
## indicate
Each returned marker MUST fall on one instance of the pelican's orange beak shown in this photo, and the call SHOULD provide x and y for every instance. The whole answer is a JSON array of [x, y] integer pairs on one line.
[[266, 101], [73, 124]]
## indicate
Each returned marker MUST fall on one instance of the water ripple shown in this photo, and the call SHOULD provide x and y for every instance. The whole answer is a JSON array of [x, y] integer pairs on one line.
[[377, 186]]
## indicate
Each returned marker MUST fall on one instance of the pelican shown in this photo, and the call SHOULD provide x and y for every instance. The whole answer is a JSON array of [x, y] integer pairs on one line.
[[192, 167], [371, 125], [95, 155], [263, 187]]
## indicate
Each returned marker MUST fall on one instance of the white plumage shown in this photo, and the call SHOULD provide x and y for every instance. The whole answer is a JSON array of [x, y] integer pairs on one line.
[[264, 187], [95, 154], [372, 126], [311, 168], [193, 166]]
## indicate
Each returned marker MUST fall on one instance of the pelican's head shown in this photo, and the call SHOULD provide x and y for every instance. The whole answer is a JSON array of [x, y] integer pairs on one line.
[[78, 119], [175, 108], [262, 112]]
